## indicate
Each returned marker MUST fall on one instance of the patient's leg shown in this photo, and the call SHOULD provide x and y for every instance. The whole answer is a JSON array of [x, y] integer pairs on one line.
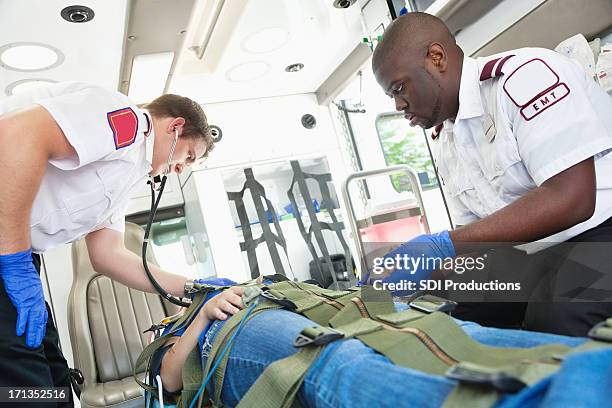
[[348, 373]]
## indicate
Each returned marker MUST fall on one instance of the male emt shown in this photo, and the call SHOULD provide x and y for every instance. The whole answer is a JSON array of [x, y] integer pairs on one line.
[[69, 156], [521, 145]]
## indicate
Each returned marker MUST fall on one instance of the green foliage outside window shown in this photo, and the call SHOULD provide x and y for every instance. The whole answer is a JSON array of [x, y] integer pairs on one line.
[[402, 144]]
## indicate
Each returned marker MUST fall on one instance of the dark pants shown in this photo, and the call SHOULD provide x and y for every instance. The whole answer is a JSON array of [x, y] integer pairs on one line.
[[569, 286], [24, 367]]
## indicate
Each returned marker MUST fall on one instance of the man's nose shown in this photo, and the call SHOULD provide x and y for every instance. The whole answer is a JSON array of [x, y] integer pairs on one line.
[[400, 103]]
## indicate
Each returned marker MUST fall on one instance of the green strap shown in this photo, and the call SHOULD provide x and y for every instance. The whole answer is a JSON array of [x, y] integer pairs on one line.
[[219, 376], [363, 304], [144, 359], [485, 396], [143, 362], [448, 337], [529, 372], [278, 385], [317, 304], [192, 377], [473, 396]]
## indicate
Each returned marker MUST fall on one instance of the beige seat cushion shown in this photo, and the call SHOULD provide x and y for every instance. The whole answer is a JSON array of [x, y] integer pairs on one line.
[[106, 322]]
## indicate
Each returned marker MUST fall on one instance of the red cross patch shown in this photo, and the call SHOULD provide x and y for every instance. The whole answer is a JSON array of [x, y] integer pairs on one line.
[[124, 124]]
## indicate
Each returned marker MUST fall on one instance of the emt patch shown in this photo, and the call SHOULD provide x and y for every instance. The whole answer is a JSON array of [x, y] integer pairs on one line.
[[124, 124], [534, 87]]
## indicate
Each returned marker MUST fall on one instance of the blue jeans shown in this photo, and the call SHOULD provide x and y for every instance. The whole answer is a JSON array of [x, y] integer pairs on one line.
[[350, 374]]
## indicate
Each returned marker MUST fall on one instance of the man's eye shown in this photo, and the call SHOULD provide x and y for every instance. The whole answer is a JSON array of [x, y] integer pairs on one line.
[[398, 89]]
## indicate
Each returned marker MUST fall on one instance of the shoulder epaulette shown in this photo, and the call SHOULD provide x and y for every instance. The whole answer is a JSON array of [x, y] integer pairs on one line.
[[494, 67]]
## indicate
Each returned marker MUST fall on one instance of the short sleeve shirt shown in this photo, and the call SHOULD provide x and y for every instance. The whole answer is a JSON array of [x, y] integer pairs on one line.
[[524, 116], [90, 191]]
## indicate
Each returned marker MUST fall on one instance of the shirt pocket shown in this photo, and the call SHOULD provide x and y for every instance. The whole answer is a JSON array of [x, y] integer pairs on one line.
[[116, 179], [451, 170], [88, 208], [503, 167], [463, 196]]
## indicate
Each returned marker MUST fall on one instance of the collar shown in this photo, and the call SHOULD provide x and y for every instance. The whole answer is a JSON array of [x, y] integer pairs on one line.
[[149, 137], [470, 102]]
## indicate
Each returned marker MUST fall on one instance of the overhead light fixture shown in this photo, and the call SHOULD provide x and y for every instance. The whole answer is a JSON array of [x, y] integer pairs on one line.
[[149, 76], [77, 14], [294, 67], [248, 71], [30, 56], [343, 3], [24, 85], [266, 40]]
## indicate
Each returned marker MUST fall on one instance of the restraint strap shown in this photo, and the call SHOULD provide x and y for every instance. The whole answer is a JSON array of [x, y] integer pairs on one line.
[[436, 343], [481, 387], [267, 301], [278, 385], [144, 359], [249, 244], [316, 227]]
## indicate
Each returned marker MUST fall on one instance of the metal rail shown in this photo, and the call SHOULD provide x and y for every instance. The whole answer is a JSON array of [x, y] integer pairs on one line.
[[348, 203]]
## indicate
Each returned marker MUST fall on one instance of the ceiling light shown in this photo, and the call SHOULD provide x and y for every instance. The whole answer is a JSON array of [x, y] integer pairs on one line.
[[149, 76], [30, 56], [294, 67], [24, 85], [77, 14], [266, 40], [343, 3], [247, 71]]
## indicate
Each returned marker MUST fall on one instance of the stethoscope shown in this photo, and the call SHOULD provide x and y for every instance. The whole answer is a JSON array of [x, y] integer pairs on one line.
[[153, 183]]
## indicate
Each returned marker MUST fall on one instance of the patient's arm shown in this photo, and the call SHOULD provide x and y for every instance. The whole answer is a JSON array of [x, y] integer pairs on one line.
[[218, 308]]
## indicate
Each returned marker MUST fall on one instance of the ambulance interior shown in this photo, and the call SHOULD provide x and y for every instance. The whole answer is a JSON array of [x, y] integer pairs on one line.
[[296, 110]]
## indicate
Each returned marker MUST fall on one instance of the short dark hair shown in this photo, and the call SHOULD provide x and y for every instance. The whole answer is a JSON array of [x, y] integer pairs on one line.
[[412, 32], [196, 124]]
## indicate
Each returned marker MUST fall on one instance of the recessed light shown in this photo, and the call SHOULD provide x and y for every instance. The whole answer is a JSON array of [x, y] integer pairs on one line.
[[30, 56], [294, 67], [266, 40], [77, 14], [23, 85], [343, 3], [247, 71]]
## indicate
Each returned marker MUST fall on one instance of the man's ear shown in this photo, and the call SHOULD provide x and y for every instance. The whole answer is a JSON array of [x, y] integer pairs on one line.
[[176, 123], [436, 55]]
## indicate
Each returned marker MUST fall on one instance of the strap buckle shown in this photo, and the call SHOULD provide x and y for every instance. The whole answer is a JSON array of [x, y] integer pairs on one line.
[[430, 303], [316, 336], [277, 298], [498, 380], [602, 331]]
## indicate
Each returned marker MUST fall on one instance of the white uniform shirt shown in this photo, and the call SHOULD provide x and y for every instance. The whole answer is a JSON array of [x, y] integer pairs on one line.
[[524, 116], [91, 191]]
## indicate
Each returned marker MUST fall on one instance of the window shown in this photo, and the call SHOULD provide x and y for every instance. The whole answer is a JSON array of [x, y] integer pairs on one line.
[[402, 144]]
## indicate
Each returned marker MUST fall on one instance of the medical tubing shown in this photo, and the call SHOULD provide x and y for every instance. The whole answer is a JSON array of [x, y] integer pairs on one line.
[[227, 346], [156, 285]]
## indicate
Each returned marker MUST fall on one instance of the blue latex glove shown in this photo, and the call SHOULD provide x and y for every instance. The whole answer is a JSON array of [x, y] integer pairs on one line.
[[22, 285], [417, 259], [215, 281]]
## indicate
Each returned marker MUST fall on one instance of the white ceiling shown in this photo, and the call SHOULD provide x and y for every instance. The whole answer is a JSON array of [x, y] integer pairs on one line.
[[92, 50], [318, 36]]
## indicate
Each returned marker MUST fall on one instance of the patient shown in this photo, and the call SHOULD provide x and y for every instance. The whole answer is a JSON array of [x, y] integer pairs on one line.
[[348, 373]]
